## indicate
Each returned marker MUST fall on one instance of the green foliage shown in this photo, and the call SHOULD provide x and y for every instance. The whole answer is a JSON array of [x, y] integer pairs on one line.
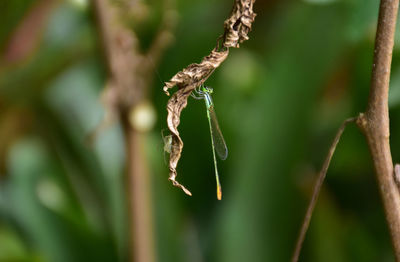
[[279, 99]]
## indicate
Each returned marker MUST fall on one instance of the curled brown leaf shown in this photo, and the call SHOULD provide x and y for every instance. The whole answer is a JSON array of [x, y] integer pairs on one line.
[[186, 80], [237, 26]]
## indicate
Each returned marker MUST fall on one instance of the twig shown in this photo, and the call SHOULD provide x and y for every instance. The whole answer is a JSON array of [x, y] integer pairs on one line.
[[317, 189], [130, 78], [142, 235], [375, 122]]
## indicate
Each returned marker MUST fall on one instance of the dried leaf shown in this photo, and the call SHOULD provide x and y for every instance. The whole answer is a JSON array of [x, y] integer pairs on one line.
[[238, 25], [236, 30], [186, 80]]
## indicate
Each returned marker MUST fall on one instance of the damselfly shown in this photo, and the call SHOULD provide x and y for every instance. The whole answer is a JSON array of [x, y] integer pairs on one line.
[[217, 140]]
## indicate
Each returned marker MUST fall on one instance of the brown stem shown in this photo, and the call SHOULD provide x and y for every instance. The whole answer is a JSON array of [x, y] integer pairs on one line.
[[141, 231], [375, 122], [317, 189], [129, 81], [375, 125]]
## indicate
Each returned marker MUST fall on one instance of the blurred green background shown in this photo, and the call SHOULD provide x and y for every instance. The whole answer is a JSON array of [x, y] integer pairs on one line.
[[280, 99]]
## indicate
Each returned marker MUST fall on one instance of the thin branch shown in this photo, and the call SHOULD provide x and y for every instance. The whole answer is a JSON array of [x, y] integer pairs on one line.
[[375, 122], [130, 78], [317, 189], [140, 201], [375, 125]]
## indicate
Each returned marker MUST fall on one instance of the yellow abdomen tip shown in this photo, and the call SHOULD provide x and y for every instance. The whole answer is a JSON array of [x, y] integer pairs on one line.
[[219, 193]]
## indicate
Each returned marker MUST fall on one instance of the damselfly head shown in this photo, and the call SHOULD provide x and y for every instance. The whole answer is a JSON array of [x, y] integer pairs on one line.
[[207, 89]]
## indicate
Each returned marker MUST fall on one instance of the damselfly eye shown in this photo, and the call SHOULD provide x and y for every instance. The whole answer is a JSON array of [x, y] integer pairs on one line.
[[208, 89]]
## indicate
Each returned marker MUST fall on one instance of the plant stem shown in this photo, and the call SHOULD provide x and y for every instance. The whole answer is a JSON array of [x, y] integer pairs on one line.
[[317, 189], [375, 122], [141, 217], [375, 125], [128, 84]]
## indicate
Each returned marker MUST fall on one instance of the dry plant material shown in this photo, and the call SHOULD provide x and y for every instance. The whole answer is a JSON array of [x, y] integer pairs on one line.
[[237, 26], [317, 189]]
